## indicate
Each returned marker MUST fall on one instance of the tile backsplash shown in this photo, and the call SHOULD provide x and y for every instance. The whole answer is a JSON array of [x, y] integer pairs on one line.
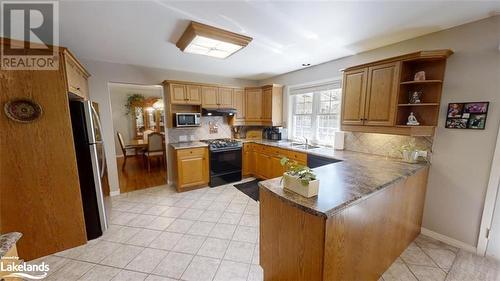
[[223, 130], [381, 144]]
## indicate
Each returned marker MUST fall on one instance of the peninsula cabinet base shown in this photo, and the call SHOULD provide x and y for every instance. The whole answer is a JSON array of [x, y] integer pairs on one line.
[[358, 243]]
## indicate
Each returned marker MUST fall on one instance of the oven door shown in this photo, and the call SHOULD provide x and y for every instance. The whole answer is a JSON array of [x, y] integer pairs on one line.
[[225, 161]]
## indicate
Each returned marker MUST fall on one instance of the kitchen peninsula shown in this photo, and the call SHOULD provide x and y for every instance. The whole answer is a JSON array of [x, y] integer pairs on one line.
[[367, 212]]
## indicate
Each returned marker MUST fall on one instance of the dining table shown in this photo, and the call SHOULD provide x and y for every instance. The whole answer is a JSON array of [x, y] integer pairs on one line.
[[137, 143]]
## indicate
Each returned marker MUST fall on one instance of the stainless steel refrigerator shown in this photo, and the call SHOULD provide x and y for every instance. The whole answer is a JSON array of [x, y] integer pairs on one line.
[[91, 163]]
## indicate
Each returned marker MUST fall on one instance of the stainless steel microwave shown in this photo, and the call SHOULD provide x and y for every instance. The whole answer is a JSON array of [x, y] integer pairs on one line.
[[187, 119]]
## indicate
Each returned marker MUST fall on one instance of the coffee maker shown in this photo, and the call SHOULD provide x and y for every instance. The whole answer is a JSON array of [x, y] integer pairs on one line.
[[272, 133]]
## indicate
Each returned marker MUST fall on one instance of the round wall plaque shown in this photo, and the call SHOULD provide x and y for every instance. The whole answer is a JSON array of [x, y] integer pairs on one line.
[[23, 110]]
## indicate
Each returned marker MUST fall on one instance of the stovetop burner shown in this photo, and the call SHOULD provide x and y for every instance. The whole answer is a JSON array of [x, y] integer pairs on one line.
[[217, 144]]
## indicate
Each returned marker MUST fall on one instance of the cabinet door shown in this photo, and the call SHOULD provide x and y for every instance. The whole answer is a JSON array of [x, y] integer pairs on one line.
[[247, 168], [225, 97], [353, 97], [253, 104], [193, 94], [178, 94], [276, 168], [239, 104], [381, 95], [209, 97], [267, 104], [262, 165], [76, 79], [192, 168]]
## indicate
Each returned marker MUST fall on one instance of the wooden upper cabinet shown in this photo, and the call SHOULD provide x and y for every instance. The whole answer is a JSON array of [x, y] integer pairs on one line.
[[76, 76], [193, 94], [353, 96], [253, 104], [375, 94], [178, 94], [267, 104], [209, 97], [381, 94], [225, 97], [239, 104]]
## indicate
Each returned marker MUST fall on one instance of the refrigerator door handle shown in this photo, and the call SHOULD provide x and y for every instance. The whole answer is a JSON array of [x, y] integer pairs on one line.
[[103, 161], [98, 186]]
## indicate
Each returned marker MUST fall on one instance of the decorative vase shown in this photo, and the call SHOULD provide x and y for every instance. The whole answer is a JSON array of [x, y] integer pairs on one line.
[[293, 183], [410, 156]]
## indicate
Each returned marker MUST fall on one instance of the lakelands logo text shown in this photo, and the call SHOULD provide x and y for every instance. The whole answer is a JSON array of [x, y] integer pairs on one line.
[[24, 270], [30, 35]]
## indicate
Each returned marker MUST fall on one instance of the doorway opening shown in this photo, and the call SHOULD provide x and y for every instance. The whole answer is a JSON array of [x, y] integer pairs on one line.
[[489, 233], [139, 130]]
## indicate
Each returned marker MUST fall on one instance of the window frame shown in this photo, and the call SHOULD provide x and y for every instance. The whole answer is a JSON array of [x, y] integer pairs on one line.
[[315, 89]]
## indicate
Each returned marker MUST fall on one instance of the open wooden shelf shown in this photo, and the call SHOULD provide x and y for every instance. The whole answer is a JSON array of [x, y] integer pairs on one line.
[[421, 82], [419, 104], [426, 112]]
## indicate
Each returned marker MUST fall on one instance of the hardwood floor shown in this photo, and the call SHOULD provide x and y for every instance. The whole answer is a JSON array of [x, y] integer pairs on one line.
[[135, 176]]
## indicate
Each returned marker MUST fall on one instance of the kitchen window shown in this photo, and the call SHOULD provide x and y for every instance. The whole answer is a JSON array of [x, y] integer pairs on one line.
[[315, 112]]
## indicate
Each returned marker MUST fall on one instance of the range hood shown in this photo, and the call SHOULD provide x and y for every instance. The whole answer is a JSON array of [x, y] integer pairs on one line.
[[218, 111]]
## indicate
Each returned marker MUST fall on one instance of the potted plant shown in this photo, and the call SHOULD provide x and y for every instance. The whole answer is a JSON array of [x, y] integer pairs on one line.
[[131, 100], [299, 178], [409, 152]]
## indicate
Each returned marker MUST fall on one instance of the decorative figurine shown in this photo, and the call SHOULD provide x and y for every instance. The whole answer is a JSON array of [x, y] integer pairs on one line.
[[414, 97], [412, 120], [419, 76]]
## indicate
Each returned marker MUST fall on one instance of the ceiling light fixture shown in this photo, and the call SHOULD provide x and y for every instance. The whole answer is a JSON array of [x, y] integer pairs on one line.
[[207, 40]]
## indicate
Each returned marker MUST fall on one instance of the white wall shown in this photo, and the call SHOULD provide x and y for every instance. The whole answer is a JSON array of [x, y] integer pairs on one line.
[[462, 158], [103, 73], [123, 122]]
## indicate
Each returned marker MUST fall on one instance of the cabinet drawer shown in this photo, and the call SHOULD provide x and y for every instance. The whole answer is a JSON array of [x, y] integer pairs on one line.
[[274, 151], [258, 148], [191, 152], [298, 156], [248, 147]]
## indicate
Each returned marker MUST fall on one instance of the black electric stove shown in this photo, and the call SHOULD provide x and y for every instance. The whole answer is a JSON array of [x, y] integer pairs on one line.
[[225, 161]]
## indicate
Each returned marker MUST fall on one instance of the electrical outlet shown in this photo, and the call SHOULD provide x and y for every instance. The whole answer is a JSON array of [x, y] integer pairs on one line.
[[422, 153], [192, 137], [183, 138]]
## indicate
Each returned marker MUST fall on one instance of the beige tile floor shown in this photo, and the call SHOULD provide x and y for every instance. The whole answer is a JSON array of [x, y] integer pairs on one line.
[[157, 234]]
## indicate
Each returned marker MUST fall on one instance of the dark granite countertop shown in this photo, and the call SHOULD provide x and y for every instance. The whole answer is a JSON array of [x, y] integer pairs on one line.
[[7, 241], [344, 183]]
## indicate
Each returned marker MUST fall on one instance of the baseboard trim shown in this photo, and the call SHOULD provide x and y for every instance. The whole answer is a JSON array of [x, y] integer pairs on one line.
[[448, 240], [114, 193]]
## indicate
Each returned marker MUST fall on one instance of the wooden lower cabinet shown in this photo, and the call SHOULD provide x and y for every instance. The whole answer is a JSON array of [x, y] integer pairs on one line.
[[248, 160], [262, 165], [358, 243], [190, 168], [263, 161]]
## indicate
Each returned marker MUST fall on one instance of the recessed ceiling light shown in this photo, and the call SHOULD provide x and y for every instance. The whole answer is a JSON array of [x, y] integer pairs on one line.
[[306, 64], [210, 41]]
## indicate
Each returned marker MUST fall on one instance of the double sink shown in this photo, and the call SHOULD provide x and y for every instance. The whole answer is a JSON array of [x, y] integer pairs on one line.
[[303, 146]]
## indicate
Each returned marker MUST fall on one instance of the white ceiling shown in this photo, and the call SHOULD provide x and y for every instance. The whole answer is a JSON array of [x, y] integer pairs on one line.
[[286, 34]]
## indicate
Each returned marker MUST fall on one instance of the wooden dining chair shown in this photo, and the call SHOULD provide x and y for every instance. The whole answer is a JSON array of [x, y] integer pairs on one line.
[[154, 149], [125, 149]]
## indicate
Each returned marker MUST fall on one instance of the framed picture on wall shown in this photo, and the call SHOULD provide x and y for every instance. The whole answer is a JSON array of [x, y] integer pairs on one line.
[[470, 115]]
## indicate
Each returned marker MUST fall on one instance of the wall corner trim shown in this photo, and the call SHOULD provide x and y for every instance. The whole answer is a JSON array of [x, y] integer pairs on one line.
[[114, 193], [448, 240]]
